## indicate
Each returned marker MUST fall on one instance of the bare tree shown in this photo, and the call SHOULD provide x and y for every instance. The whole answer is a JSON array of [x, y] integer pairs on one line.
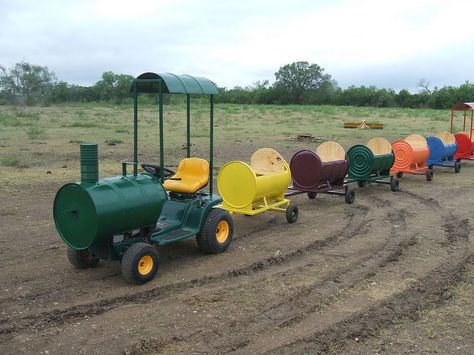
[[424, 85]]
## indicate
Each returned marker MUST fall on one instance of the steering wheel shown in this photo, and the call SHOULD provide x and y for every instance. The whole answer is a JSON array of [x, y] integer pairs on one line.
[[154, 170]]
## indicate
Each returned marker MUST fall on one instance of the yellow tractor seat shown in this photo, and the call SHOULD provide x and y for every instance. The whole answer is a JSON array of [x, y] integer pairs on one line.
[[192, 175]]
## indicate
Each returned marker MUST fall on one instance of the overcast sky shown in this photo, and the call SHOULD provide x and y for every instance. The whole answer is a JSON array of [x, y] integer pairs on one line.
[[390, 44]]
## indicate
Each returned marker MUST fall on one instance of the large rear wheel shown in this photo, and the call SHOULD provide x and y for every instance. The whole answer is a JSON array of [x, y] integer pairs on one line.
[[140, 263], [216, 233], [81, 259]]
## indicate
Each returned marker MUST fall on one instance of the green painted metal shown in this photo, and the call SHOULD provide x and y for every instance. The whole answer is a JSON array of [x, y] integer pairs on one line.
[[175, 84], [135, 130], [364, 165], [162, 149], [211, 144], [188, 126], [89, 163], [181, 219], [87, 214]]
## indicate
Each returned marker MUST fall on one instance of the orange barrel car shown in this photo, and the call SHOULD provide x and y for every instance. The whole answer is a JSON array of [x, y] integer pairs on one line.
[[411, 155]]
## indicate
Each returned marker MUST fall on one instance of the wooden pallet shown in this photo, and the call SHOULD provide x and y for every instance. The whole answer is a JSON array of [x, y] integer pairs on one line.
[[363, 125]]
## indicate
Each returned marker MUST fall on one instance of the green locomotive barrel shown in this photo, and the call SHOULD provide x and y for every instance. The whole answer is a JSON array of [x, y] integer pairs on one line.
[[85, 213], [363, 162]]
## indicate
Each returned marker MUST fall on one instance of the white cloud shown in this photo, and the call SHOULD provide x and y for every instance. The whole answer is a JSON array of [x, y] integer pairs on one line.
[[391, 44]]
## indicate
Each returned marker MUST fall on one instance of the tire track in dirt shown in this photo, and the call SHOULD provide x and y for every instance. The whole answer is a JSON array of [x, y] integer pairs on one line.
[[297, 305], [287, 306], [179, 257], [54, 317], [428, 290]]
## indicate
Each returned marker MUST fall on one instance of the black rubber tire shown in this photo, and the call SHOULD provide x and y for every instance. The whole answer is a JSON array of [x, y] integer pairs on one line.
[[429, 175], [131, 260], [312, 195], [361, 183], [399, 175], [457, 166], [349, 196], [81, 258], [207, 238], [292, 213], [394, 184]]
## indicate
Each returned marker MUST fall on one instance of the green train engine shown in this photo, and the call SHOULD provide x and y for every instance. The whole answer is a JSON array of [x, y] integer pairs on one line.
[[124, 217]]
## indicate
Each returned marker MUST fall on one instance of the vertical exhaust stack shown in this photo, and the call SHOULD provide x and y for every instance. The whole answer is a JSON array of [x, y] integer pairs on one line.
[[89, 163]]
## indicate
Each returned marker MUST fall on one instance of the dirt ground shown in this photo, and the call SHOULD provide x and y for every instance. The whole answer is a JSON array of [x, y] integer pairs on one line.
[[391, 273]]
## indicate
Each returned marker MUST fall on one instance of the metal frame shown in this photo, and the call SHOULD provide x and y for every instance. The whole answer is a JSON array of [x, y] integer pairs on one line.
[[325, 188], [377, 178], [160, 83], [468, 106]]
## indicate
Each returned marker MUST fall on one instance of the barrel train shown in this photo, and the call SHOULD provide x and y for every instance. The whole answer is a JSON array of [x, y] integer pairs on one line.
[[124, 217]]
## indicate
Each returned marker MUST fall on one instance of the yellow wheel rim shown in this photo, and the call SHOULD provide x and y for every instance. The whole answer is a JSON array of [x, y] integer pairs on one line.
[[222, 231], [145, 265]]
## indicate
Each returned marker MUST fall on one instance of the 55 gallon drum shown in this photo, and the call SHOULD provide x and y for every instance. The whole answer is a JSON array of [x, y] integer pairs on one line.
[[375, 158], [241, 185], [92, 211], [411, 154], [465, 146], [442, 148], [310, 170]]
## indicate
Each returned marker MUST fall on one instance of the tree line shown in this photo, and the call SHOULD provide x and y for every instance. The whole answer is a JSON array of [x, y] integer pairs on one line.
[[295, 83]]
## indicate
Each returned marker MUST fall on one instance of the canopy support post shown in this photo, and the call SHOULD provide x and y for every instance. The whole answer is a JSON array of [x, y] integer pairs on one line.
[[452, 119], [472, 117], [135, 129], [464, 123], [188, 126], [162, 153], [211, 145]]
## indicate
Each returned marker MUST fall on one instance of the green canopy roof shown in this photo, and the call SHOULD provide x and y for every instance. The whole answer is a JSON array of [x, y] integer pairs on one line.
[[175, 84]]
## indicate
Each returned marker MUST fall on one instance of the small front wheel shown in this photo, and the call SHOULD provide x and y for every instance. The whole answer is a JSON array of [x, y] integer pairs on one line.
[[311, 195], [399, 175], [216, 233], [140, 263], [292, 213], [429, 175], [81, 259], [457, 166], [349, 196], [394, 184], [361, 183]]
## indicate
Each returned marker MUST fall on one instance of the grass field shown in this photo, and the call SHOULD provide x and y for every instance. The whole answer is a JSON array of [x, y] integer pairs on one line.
[[38, 140]]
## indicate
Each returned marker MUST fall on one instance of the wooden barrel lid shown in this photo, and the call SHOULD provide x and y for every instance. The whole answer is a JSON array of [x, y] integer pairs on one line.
[[267, 161], [379, 146], [416, 141], [330, 151], [446, 137]]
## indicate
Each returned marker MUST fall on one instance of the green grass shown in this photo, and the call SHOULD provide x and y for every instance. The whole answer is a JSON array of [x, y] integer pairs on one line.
[[36, 133], [113, 141], [10, 161], [56, 131]]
